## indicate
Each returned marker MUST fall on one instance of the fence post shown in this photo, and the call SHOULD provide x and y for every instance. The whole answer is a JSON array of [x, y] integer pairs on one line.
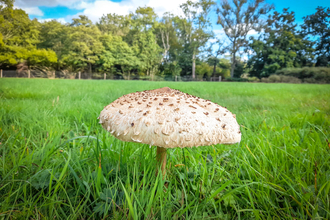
[[1, 73], [29, 74], [105, 76], [79, 74], [219, 78]]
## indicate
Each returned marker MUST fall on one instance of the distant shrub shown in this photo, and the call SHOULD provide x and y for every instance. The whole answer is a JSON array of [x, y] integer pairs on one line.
[[290, 79], [230, 79], [310, 80], [274, 78], [253, 79], [264, 80], [281, 79], [307, 74]]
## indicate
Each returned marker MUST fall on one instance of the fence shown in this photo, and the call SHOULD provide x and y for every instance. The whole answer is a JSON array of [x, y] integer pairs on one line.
[[98, 76]]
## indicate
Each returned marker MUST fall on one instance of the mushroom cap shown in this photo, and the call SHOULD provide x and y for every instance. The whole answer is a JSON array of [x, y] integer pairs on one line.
[[169, 118]]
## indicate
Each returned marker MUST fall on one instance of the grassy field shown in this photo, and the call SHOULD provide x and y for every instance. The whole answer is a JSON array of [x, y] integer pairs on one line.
[[56, 161]]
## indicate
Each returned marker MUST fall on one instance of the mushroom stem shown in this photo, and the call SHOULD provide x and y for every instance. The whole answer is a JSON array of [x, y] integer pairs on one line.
[[161, 158]]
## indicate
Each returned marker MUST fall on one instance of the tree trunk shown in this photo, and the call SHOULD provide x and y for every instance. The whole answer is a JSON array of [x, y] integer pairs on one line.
[[233, 62], [90, 71], [214, 67], [161, 159], [129, 74], [193, 65]]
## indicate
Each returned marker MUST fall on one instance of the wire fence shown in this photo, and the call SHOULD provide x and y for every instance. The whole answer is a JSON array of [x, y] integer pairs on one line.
[[100, 76]]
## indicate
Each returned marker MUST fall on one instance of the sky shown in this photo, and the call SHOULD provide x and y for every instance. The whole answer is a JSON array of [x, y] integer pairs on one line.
[[65, 10]]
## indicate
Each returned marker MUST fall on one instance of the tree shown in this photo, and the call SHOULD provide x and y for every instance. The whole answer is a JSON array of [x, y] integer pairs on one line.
[[19, 38], [196, 30], [238, 19], [166, 33], [53, 35], [83, 46], [113, 24], [213, 55], [318, 25], [117, 52], [281, 46], [203, 70], [147, 51]]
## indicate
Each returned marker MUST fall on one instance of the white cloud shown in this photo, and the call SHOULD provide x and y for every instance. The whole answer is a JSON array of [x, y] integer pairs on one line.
[[61, 20], [172, 6], [94, 9], [219, 32], [44, 20], [32, 10], [52, 3]]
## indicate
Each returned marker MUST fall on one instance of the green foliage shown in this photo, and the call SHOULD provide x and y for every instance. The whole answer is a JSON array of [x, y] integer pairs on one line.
[[203, 70], [280, 47], [230, 79], [195, 30], [113, 24], [239, 17], [142, 45], [239, 68], [225, 66], [82, 46], [147, 51], [317, 25], [53, 36], [171, 70], [56, 156], [19, 38], [117, 52], [308, 74], [281, 79]]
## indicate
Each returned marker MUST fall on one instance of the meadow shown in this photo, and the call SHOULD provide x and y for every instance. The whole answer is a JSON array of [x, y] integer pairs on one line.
[[57, 162]]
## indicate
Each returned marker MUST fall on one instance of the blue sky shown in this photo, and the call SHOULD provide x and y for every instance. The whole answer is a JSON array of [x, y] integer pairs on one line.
[[300, 7], [67, 9]]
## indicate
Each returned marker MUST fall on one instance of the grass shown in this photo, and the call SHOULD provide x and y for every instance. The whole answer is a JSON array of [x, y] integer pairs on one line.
[[57, 162]]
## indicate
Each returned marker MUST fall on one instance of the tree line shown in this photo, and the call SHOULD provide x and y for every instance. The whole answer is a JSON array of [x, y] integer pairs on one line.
[[144, 45]]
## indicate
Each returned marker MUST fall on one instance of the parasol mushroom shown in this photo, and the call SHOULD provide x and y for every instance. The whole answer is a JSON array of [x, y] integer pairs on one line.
[[169, 118]]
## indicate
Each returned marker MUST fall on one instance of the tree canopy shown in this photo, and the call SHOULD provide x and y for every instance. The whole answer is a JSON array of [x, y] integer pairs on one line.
[[143, 44]]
